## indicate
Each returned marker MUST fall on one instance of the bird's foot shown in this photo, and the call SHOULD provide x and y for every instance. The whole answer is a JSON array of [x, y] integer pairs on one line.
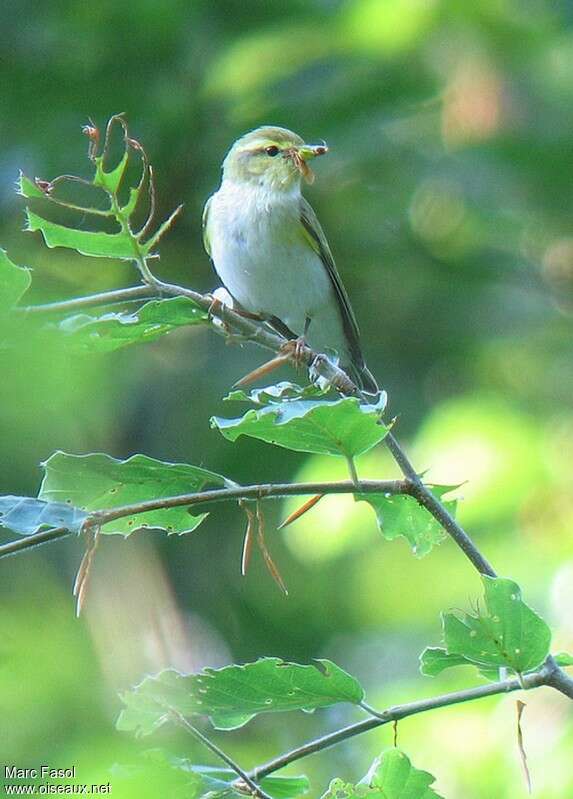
[[294, 349], [221, 300]]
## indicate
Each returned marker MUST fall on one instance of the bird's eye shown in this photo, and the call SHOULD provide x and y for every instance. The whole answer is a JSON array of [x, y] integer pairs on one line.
[[272, 150]]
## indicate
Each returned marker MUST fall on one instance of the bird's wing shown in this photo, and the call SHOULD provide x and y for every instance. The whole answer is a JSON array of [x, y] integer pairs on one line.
[[205, 224], [314, 235]]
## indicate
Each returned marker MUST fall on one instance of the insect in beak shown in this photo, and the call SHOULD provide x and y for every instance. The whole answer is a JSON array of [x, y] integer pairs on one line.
[[300, 156]]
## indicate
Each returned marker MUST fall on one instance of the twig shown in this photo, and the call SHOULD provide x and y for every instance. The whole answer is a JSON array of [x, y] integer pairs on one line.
[[215, 495], [104, 298], [433, 505], [394, 714], [34, 540], [260, 491], [246, 778]]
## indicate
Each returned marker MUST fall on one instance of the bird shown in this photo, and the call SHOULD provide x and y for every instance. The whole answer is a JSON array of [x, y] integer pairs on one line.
[[270, 251]]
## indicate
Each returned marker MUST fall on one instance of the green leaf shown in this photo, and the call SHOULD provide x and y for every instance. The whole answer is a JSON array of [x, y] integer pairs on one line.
[[506, 633], [343, 427], [392, 776], [98, 481], [396, 778], [27, 188], [401, 515], [434, 660], [233, 695], [111, 331], [564, 659], [94, 244], [110, 181], [273, 395], [26, 515], [14, 281]]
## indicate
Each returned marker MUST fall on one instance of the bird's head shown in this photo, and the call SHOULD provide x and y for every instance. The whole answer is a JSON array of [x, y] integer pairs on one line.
[[272, 157]]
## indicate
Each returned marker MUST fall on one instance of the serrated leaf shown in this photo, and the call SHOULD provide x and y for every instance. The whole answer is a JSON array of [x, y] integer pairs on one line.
[[507, 632], [272, 395], [14, 282], [401, 515], [391, 776], [342, 427], [98, 482], [86, 242], [233, 695], [27, 515], [396, 778], [112, 331]]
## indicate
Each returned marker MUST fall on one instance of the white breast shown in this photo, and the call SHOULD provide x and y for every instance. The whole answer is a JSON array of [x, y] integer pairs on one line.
[[260, 254]]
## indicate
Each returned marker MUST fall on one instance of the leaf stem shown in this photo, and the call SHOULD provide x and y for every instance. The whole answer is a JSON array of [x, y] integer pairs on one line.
[[352, 469]]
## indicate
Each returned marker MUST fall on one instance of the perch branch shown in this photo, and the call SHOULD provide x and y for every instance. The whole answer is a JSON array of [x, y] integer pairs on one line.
[[398, 712]]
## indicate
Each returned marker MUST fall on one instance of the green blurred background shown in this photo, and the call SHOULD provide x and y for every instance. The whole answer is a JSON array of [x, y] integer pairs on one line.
[[447, 200]]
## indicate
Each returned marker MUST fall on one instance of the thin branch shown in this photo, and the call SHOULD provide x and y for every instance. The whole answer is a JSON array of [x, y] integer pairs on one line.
[[31, 541], [104, 298], [397, 713], [261, 491], [253, 331], [248, 780], [433, 505], [558, 679]]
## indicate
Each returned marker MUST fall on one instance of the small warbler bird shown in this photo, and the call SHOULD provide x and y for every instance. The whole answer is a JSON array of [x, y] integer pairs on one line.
[[269, 249]]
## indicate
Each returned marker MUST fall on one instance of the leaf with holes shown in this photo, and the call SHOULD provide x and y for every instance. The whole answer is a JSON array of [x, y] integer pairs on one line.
[[394, 775], [401, 515], [506, 632], [100, 482], [233, 695], [26, 515], [28, 188], [110, 180], [391, 776], [14, 282], [343, 427], [111, 331]]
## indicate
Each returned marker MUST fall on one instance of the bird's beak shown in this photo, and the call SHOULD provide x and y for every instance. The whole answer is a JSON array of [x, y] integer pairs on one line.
[[305, 153], [308, 151]]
